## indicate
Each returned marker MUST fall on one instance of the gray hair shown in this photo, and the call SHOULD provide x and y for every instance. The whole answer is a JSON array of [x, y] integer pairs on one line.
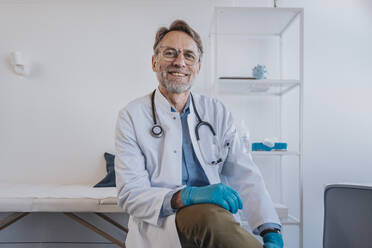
[[178, 25]]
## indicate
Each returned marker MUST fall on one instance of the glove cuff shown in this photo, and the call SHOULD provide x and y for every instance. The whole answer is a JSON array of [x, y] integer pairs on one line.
[[186, 196], [275, 238]]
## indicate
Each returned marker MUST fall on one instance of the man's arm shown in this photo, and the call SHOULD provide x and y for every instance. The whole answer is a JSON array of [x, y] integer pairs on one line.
[[135, 192], [241, 173]]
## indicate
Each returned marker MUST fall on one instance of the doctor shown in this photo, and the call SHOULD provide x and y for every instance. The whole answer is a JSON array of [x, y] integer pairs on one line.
[[181, 172]]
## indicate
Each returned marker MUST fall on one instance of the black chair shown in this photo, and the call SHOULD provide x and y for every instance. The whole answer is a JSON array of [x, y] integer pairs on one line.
[[347, 216]]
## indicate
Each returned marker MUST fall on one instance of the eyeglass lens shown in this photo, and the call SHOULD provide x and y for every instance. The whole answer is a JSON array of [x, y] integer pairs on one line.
[[172, 53]]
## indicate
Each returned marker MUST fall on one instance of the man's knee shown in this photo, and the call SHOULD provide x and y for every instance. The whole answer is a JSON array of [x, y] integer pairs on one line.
[[203, 216]]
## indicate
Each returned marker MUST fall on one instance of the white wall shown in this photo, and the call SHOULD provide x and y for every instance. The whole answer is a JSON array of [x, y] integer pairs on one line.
[[337, 133], [89, 58]]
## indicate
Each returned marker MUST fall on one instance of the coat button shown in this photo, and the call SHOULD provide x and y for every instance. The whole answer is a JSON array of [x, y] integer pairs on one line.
[[175, 151], [174, 118]]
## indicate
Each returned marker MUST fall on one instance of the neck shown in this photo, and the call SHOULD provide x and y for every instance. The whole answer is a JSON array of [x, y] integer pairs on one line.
[[176, 100]]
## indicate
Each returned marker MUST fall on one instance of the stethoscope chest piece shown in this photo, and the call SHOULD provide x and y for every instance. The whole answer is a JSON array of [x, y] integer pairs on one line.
[[157, 131]]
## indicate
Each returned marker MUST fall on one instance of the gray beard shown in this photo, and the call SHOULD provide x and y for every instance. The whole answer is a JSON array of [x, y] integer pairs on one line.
[[174, 88]]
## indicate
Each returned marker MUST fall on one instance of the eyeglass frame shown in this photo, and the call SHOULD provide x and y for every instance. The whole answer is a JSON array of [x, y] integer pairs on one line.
[[188, 62]]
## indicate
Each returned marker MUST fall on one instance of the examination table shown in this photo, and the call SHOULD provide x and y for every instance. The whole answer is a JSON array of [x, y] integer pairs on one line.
[[23, 199]]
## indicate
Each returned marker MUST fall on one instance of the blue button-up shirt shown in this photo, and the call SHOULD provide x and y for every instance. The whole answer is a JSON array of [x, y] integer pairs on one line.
[[192, 171]]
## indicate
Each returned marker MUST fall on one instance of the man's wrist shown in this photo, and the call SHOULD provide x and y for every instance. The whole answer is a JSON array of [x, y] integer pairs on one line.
[[176, 202], [268, 230]]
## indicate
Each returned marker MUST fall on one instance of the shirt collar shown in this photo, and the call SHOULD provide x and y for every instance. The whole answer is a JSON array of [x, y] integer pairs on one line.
[[186, 110]]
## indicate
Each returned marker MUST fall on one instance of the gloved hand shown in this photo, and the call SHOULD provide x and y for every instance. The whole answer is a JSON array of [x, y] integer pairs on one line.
[[273, 240], [218, 194]]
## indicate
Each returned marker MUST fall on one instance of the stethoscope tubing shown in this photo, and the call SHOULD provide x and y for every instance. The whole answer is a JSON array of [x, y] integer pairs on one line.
[[157, 130]]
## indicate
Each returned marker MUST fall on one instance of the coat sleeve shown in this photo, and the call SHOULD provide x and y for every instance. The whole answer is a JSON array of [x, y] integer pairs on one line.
[[242, 174], [136, 196]]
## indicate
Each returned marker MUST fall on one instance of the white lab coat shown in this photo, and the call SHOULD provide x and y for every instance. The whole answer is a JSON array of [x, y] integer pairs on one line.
[[147, 168]]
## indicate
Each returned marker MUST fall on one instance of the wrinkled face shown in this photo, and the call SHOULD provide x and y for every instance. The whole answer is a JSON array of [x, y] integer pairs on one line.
[[177, 62]]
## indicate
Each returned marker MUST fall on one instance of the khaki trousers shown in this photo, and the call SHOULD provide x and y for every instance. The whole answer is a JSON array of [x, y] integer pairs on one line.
[[211, 226]]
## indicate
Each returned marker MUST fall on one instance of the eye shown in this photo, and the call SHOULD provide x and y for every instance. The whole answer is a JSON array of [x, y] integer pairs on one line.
[[190, 56], [170, 53]]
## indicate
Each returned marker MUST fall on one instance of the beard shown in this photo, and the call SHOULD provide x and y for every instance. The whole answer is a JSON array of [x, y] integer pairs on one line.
[[174, 84]]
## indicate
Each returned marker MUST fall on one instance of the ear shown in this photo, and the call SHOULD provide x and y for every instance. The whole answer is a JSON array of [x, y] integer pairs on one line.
[[153, 62], [198, 67]]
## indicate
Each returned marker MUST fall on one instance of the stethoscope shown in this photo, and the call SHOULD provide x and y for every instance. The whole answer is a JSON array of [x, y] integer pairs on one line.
[[157, 131]]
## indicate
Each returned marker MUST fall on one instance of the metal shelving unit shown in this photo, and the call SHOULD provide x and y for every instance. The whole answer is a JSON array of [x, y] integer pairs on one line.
[[268, 26]]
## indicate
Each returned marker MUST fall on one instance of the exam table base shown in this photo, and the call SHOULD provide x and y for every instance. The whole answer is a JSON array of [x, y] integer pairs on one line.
[[17, 216]]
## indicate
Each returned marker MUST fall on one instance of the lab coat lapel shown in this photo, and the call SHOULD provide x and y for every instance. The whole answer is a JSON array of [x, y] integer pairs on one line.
[[171, 155]]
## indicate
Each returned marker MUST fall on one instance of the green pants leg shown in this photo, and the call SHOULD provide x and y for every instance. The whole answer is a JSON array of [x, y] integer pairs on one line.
[[211, 226]]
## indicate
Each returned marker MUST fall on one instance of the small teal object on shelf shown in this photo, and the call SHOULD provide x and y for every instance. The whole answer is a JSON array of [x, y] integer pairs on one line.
[[259, 72], [259, 146]]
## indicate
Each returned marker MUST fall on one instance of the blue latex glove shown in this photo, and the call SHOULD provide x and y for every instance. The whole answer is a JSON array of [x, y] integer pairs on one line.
[[273, 240], [218, 194]]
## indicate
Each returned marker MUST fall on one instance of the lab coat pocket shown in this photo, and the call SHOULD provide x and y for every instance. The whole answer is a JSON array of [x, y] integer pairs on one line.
[[210, 152], [224, 153]]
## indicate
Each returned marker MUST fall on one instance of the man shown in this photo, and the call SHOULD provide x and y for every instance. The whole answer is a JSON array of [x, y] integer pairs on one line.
[[181, 172]]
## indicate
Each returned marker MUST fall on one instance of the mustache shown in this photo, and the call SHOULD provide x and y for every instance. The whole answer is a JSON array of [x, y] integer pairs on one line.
[[177, 70]]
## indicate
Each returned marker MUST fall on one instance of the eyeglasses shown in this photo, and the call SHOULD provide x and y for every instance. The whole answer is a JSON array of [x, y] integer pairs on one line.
[[171, 53]]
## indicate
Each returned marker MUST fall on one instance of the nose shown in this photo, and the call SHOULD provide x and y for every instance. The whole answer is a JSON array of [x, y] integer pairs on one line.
[[180, 60]]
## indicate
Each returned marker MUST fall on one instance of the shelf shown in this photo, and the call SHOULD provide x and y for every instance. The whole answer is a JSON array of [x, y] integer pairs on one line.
[[246, 86], [290, 220], [275, 153], [256, 21]]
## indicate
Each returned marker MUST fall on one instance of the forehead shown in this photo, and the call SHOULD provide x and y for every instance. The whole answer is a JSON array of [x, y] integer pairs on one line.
[[179, 39]]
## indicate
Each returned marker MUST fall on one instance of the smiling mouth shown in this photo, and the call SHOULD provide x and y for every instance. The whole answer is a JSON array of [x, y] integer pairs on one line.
[[178, 74]]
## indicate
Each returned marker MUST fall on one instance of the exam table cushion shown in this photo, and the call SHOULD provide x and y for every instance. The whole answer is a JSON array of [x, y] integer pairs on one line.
[[109, 179], [57, 198]]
